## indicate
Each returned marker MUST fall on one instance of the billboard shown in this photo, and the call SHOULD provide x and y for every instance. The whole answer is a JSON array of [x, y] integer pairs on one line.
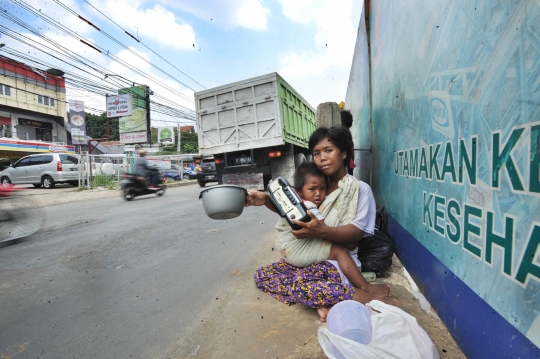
[[166, 136], [120, 105], [133, 127], [77, 122]]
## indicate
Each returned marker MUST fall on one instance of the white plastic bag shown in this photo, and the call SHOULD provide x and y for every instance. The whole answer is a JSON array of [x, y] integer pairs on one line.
[[396, 334]]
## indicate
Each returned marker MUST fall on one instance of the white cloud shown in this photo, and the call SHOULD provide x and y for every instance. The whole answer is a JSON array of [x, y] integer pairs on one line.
[[328, 63], [249, 14], [302, 11], [157, 23], [134, 60]]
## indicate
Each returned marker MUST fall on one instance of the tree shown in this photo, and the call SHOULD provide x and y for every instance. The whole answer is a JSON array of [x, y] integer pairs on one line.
[[96, 126]]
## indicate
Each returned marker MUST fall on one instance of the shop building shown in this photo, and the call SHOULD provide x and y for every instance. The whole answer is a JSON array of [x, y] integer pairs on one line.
[[32, 111]]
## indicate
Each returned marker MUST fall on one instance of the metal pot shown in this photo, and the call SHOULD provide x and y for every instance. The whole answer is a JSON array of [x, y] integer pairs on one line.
[[224, 201]]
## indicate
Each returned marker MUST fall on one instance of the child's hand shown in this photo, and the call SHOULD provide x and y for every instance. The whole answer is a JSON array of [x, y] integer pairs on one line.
[[311, 229]]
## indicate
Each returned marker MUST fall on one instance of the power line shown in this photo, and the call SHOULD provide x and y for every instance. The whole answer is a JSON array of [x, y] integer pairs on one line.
[[73, 34], [143, 44], [98, 89], [122, 45]]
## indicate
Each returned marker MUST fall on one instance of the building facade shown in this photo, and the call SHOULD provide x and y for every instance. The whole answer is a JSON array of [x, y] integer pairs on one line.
[[33, 111]]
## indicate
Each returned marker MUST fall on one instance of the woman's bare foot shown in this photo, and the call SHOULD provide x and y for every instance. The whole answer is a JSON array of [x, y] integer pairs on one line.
[[365, 297], [390, 301], [378, 289], [323, 313]]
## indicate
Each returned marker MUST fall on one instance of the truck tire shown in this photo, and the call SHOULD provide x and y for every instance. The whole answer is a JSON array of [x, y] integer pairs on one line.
[[298, 159], [201, 184]]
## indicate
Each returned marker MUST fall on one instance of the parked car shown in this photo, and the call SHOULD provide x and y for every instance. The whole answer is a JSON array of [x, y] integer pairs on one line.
[[207, 171], [188, 174], [171, 174], [174, 175], [45, 170]]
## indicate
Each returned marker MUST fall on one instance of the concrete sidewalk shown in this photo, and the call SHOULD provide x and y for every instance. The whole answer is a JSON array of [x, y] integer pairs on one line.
[[247, 323]]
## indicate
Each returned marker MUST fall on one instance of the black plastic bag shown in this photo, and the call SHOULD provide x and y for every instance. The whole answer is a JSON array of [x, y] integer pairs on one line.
[[375, 252]]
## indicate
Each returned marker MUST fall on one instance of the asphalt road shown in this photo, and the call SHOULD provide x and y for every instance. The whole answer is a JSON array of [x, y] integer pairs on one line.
[[107, 278]]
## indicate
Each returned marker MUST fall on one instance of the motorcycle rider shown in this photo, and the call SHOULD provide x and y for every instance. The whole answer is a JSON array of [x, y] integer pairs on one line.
[[143, 168]]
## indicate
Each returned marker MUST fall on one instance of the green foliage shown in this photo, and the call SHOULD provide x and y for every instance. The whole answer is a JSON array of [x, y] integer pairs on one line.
[[96, 126], [103, 181], [189, 142]]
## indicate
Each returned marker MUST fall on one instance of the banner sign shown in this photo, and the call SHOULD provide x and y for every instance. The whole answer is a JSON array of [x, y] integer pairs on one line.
[[120, 105], [166, 136], [133, 127], [33, 123], [77, 121]]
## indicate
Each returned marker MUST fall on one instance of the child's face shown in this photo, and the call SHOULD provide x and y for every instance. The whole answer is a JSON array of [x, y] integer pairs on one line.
[[314, 189]]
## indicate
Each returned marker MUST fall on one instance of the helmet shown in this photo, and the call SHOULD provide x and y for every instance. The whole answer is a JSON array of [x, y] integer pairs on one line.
[[141, 153]]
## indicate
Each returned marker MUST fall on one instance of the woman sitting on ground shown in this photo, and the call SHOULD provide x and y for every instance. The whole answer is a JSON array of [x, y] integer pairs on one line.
[[349, 212]]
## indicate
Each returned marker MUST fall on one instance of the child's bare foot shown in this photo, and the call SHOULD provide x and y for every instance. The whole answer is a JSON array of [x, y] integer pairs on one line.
[[378, 289], [323, 313]]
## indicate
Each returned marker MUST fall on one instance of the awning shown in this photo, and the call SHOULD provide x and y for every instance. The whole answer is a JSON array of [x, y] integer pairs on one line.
[[5, 121]]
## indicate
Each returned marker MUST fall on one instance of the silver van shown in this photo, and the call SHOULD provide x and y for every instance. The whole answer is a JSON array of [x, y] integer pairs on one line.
[[45, 170]]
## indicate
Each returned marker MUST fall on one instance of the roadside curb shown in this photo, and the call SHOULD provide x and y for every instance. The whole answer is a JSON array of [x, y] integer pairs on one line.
[[180, 183]]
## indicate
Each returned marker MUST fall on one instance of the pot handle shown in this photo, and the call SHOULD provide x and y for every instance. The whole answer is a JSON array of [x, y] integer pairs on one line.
[[200, 195]]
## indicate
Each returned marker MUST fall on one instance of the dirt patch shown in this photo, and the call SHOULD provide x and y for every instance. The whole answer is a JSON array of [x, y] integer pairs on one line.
[[247, 323]]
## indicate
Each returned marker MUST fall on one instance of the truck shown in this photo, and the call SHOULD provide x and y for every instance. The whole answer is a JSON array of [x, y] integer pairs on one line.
[[255, 129]]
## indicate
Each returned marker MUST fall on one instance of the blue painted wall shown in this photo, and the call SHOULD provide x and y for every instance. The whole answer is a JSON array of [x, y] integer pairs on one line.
[[455, 96]]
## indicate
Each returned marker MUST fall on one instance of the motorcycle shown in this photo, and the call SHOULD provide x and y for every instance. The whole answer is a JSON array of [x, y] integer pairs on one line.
[[133, 185], [18, 221]]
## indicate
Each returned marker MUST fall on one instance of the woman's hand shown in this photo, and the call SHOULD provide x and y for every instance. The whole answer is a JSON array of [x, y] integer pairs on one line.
[[256, 198], [311, 229]]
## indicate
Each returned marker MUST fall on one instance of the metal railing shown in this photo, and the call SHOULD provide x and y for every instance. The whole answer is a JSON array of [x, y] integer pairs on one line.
[[107, 170]]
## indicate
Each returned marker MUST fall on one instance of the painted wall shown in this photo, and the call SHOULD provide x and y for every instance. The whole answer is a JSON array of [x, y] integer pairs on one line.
[[27, 83], [456, 160]]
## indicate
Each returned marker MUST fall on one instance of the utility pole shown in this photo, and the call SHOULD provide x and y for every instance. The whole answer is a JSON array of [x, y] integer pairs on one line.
[[148, 125], [178, 140]]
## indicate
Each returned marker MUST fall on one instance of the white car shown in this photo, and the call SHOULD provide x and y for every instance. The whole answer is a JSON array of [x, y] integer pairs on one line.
[[45, 170]]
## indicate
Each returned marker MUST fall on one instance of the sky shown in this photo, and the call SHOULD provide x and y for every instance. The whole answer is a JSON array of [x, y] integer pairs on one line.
[[199, 44]]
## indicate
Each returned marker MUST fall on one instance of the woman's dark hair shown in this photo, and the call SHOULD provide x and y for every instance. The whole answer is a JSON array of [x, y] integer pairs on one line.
[[338, 135], [304, 170], [346, 118]]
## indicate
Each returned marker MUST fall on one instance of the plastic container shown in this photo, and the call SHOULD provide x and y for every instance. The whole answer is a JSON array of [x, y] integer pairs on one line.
[[352, 320]]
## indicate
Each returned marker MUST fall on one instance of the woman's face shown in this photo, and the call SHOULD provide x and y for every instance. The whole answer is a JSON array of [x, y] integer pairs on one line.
[[328, 157]]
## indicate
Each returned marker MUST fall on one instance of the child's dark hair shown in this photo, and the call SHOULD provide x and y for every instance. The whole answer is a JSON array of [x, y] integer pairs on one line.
[[339, 136], [346, 118], [304, 170]]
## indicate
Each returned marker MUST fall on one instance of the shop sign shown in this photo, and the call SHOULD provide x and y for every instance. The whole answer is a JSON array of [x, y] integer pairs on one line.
[[58, 149], [133, 127], [77, 122], [120, 105], [34, 123]]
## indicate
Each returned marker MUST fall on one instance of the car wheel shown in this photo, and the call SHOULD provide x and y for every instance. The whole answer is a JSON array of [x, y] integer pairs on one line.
[[186, 176], [5, 182], [47, 182], [37, 185], [202, 184]]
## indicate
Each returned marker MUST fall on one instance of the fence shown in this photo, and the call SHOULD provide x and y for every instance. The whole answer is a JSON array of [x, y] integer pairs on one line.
[[107, 170]]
